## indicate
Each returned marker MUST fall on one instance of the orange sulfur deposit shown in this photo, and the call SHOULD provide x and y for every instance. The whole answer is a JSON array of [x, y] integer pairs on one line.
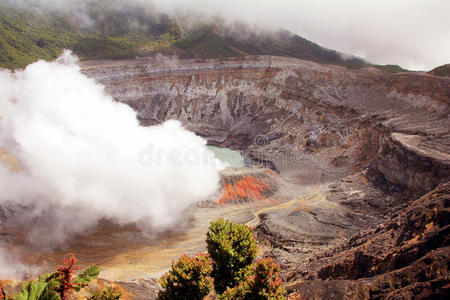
[[238, 189]]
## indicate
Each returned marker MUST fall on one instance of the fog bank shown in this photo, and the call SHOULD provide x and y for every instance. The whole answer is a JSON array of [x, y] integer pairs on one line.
[[412, 33]]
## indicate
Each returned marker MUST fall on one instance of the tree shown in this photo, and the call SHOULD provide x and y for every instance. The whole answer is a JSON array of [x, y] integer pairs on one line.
[[232, 248], [265, 283], [189, 278]]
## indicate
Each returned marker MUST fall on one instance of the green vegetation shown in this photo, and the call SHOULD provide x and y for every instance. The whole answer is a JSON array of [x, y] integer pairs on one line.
[[391, 68], [56, 286], [109, 293], [43, 288], [443, 70], [189, 278], [203, 42], [208, 41], [229, 268], [264, 284], [232, 249], [26, 35], [133, 30]]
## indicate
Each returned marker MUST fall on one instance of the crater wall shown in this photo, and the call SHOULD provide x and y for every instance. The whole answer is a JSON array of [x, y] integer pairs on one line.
[[286, 113]]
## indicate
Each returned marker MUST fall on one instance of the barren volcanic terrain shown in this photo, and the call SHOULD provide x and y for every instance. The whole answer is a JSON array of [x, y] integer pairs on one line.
[[346, 182], [350, 150]]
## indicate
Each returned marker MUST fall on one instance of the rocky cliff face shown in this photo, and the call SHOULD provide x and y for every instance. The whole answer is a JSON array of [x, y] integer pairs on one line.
[[405, 258], [286, 113], [406, 159]]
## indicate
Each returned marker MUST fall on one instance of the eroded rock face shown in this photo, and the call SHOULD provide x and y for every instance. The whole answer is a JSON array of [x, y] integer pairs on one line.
[[281, 110], [407, 257], [413, 161]]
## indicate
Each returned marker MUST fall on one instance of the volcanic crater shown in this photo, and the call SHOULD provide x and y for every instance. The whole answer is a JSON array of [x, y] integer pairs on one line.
[[346, 182]]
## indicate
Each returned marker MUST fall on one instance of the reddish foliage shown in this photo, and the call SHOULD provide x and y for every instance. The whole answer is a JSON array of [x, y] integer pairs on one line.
[[266, 278], [265, 283], [2, 293], [189, 278], [66, 272]]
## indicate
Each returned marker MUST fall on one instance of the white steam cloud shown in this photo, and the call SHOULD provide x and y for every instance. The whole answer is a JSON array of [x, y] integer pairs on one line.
[[83, 157], [11, 267]]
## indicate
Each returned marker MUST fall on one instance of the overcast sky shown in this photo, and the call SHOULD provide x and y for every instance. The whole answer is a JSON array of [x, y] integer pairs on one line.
[[412, 33]]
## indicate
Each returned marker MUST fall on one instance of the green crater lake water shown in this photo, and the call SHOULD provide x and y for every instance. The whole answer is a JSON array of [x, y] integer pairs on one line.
[[232, 157]]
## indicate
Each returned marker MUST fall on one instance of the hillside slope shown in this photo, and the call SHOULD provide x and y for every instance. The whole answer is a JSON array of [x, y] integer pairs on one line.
[[209, 42], [443, 70], [27, 35]]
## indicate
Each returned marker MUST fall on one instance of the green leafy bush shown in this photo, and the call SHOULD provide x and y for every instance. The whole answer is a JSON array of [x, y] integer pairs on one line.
[[189, 278], [56, 286], [42, 289], [232, 248], [110, 293], [265, 283]]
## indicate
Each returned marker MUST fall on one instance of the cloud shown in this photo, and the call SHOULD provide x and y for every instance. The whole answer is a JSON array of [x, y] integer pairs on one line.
[[83, 157], [411, 33]]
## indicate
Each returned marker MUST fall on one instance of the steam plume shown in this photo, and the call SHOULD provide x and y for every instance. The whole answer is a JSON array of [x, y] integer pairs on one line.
[[83, 157], [11, 267]]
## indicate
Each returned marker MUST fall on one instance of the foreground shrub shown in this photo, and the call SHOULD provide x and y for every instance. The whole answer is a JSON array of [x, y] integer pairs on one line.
[[265, 283], [42, 289], [232, 248], [189, 278], [109, 293], [56, 286]]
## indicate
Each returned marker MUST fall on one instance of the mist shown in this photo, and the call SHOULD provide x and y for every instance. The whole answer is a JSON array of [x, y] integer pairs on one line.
[[411, 33], [11, 267], [77, 157]]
